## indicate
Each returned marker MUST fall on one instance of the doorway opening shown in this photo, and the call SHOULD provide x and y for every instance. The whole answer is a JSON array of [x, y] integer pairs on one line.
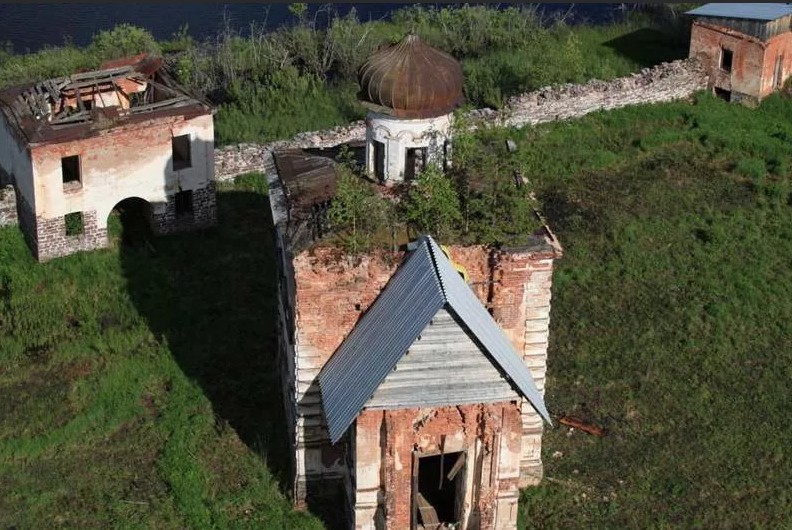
[[438, 490], [722, 93], [130, 222], [415, 161], [379, 159]]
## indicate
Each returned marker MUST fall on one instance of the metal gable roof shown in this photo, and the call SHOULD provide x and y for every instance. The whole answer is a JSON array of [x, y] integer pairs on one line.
[[468, 307], [374, 346], [746, 10], [419, 289]]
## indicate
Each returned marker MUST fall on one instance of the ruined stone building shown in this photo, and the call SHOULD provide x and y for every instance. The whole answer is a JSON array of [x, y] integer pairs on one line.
[[410, 89], [746, 48], [75, 147], [414, 376]]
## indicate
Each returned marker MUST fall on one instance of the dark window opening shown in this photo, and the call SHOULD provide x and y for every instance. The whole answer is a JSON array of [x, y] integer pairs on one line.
[[88, 104], [415, 161], [379, 160], [184, 203], [74, 223], [778, 72], [181, 152], [438, 493], [70, 170], [726, 59]]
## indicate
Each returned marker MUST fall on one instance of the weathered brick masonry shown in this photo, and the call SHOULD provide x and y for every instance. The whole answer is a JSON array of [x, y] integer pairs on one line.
[[332, 291]]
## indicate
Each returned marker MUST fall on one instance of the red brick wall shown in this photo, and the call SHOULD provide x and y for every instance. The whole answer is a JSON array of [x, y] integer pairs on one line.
[[747, 64], [334, 289], [496, 427], [753, 61]]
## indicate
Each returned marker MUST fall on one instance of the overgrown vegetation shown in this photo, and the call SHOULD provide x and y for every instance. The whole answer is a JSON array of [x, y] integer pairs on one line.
[[671, 316], [273, 83], [139, 387], [482, 198]]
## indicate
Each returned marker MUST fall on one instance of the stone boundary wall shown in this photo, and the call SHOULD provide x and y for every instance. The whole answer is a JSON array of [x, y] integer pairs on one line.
[[664, 82], [8, 207]]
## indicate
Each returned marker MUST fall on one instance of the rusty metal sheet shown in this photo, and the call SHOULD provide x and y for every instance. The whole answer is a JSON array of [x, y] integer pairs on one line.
[[411, 80]]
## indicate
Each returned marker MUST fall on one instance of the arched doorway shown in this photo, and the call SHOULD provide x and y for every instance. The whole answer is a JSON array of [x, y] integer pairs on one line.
[[129, 223]]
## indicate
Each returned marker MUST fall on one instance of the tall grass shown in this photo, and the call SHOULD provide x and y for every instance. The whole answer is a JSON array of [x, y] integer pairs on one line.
[[274, 82]]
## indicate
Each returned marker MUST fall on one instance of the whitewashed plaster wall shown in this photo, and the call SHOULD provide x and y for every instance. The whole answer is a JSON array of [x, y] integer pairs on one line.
[[124, 163], [15, 161], [398, 135]]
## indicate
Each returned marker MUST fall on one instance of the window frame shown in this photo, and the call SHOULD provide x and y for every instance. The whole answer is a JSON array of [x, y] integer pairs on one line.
[[184, 160]]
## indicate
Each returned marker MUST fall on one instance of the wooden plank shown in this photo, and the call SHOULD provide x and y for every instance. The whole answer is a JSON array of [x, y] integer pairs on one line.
[[80, 116], [159, 104], [121, 70], [53, 92], [427, 511], [457, 467], [416, 458]]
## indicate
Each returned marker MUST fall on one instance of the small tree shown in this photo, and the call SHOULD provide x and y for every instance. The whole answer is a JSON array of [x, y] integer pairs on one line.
[[356, 211], [124, 40], [432, 204]]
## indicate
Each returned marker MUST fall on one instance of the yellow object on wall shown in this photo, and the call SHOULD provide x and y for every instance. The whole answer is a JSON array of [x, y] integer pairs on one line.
[[459, 268]]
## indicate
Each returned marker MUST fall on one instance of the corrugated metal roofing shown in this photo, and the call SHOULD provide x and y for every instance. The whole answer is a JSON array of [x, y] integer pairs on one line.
[[470, 310], [419, 289], [746, 10], [371, 350]]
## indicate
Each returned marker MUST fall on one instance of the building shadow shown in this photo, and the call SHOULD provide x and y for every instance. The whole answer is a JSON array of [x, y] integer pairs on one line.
[[210, 295], [649, 47]]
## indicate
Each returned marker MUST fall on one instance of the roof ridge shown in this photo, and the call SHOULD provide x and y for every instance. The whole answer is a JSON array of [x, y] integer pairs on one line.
[[429, 244]]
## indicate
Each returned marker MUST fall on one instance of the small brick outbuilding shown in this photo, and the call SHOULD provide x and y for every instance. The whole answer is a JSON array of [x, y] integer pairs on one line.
[[77, 146], [746, 48]]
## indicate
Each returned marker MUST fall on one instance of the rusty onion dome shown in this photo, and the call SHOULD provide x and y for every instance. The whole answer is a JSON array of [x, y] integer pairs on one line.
[[411, 79]]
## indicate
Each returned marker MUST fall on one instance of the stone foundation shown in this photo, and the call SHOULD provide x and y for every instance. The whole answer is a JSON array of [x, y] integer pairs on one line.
[[8, 206], [165, 220], [52, 241], [47, 237]]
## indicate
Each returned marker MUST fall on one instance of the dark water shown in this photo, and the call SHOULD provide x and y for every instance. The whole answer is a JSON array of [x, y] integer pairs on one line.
[[29, 27]]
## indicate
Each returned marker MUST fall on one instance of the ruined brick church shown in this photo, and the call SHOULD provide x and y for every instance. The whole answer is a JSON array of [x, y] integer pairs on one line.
[[413, 390]]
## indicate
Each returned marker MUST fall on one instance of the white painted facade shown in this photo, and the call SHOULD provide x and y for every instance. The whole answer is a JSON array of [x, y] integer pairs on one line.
[[119, 165], [389, 142], [15, 161]]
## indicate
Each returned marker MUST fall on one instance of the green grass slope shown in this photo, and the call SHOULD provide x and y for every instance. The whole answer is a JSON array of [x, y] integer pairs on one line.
[[138, 386]]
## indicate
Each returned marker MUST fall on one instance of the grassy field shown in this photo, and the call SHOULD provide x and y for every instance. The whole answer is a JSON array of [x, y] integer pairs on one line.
[[138, 386], [138, 389], [672, 317]]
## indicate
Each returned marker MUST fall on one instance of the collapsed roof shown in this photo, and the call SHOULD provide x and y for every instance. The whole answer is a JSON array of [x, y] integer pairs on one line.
[[79, 105]]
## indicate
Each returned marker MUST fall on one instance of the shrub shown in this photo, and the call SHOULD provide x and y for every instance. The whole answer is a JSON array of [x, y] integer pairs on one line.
[[356, 211], [123, 40], [432, 203]]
